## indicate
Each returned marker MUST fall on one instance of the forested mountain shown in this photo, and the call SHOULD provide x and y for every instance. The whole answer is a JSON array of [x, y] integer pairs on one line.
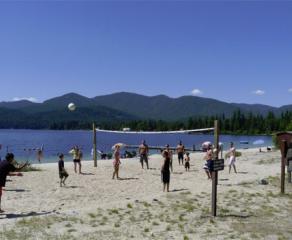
[[114, 110]]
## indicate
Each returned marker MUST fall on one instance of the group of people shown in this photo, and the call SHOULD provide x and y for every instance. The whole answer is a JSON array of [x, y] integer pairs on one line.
[[7, 167], [167, 166]]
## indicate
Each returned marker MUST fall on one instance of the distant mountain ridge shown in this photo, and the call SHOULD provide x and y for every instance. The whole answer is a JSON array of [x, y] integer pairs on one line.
[[166, 108], [124, 106]]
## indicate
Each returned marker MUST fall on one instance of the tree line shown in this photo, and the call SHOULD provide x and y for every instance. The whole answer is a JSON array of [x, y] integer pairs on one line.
[[238, 123]]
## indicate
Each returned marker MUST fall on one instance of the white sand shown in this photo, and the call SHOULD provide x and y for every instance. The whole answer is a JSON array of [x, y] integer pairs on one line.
[[40, 191]]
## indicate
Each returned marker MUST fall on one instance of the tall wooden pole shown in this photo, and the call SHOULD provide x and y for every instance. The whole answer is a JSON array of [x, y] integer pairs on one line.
[[215, 173], [94, 145], [283, 162]]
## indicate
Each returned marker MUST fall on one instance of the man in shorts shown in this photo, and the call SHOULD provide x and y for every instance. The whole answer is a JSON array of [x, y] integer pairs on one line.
[[143, 151], [7, 169], [180, 149]]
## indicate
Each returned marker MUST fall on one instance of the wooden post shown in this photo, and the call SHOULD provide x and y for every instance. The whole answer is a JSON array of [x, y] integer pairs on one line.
[[284, 152], [94, 145], [215, 173], [289, 176]]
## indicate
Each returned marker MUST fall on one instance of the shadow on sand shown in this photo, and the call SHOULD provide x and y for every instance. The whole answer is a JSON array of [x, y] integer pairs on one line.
[[229, 216], [234, 216], [16, 190], [86, 174], [179, 190], [152, 169], [23, 215], [66, 186], [124, 179]]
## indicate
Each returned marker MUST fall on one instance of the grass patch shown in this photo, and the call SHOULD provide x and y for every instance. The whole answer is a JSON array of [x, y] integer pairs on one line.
[[91, 215], [129, 205]]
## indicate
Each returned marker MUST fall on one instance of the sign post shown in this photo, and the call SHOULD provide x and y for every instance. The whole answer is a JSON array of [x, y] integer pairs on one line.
[[94, 145], [283, 162]]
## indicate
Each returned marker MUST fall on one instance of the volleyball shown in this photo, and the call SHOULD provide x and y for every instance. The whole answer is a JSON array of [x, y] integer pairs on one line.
[[71, 106]]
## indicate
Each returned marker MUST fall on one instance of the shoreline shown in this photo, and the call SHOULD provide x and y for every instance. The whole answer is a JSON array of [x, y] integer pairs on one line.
[[137, 157]]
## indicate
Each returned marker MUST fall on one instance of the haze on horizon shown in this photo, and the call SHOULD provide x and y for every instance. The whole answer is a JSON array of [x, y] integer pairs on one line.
[[231, 51]]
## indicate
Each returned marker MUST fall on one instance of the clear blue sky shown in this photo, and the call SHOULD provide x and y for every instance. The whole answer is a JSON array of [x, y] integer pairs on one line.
[[231, 51]]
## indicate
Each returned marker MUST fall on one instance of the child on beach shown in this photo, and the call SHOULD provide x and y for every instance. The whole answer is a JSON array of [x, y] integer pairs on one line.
[[117, 161], [62, 172], [187, 161]]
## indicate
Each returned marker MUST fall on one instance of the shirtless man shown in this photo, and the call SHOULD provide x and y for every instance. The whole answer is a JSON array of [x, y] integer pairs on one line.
[[180, 149], [143, 151], [169, 154], [232, 157]]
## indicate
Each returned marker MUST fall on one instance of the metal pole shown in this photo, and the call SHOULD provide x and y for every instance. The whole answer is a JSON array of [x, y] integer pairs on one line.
[[284, 152], [215, 173], [94, 145]]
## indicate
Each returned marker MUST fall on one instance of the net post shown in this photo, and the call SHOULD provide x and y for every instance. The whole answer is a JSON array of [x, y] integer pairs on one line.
[[94, 145], [215, 173]]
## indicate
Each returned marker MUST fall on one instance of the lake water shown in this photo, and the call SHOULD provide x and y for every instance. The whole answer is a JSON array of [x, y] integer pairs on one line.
[[24, 142]]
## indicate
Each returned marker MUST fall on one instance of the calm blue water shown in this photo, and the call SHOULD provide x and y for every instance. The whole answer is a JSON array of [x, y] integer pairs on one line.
[[20, 141]]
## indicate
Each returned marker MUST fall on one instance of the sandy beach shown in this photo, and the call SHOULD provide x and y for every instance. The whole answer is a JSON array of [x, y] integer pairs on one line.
[[93, 206]]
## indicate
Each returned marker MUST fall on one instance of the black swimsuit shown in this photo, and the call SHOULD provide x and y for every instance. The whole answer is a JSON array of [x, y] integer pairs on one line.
[[165, 173]]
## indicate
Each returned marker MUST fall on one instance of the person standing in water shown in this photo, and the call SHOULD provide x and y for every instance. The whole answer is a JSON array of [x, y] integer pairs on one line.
[[143, 151], [39, 153], [232, 157], [180, 149]]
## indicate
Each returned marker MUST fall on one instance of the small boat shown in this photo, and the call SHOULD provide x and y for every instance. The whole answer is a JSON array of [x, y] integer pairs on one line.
[[243, 142]]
